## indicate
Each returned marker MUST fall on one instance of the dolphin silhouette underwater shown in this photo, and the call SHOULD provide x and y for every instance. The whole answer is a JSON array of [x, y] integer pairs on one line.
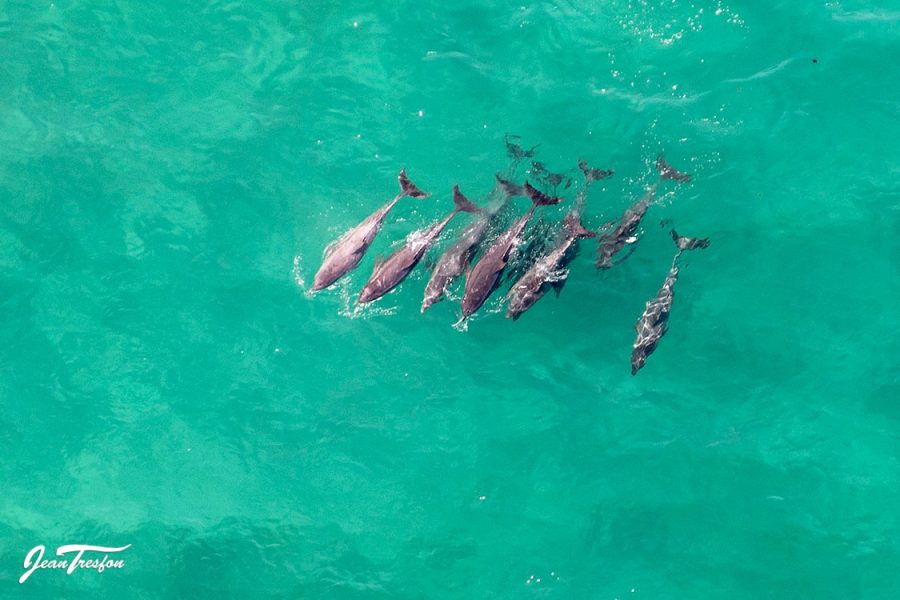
[[344, 254], [389, 273], [484, 277], [654, 322], [612, 242]]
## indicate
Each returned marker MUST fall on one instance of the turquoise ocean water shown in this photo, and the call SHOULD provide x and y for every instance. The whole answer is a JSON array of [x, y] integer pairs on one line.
[[170, 173]]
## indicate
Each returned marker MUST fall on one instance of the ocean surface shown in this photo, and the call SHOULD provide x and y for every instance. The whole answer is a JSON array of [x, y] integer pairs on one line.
[[170, 173]]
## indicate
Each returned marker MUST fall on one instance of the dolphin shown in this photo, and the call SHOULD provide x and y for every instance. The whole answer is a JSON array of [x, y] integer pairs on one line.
[[455, 260], [551, 269], [541, 236], [542, 274], [515, 151], [342, 255], [653, 324], [614, 241], [483, 278], [389, 273]]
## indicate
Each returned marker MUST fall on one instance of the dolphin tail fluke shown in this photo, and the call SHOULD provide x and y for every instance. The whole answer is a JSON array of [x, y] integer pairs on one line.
[[462, 203], [408, 188], [540, 198], [572, 225], [510, 188], [666, 171], [591, 174], [686, 243], [515, 150]]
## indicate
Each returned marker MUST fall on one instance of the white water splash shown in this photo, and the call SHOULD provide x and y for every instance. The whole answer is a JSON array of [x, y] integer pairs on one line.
[[557, 275], [354, 310], [297, 274]]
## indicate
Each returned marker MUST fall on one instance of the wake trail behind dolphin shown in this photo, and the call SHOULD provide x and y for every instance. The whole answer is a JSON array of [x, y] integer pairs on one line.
[[297, 275]]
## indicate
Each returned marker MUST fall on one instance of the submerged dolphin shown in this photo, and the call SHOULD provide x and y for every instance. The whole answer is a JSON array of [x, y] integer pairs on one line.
[[343, 255], [546, 271], [614, 241], [551, 269], [653, 324], [515, 151], [455, 260], [389, 273], [484, 277]]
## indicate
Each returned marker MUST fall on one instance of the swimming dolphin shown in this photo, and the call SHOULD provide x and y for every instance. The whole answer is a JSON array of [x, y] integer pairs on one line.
[[614, 241], [515, 151], [551, 270], [342, 255], [389, 273], [542, 233], [653, 324], [484, 277], [540, 277], [455, 260]]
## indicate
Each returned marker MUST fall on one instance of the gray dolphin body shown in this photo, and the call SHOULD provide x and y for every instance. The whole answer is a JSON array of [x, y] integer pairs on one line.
[[393, 270], [613, 242], [551, 269], [344, 254], [484, 277], [456, 259], [653, 324]]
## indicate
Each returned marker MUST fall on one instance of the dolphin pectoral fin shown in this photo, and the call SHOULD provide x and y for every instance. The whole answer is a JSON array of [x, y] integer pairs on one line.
[[630, 251], [558, 286], [429, 263]]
